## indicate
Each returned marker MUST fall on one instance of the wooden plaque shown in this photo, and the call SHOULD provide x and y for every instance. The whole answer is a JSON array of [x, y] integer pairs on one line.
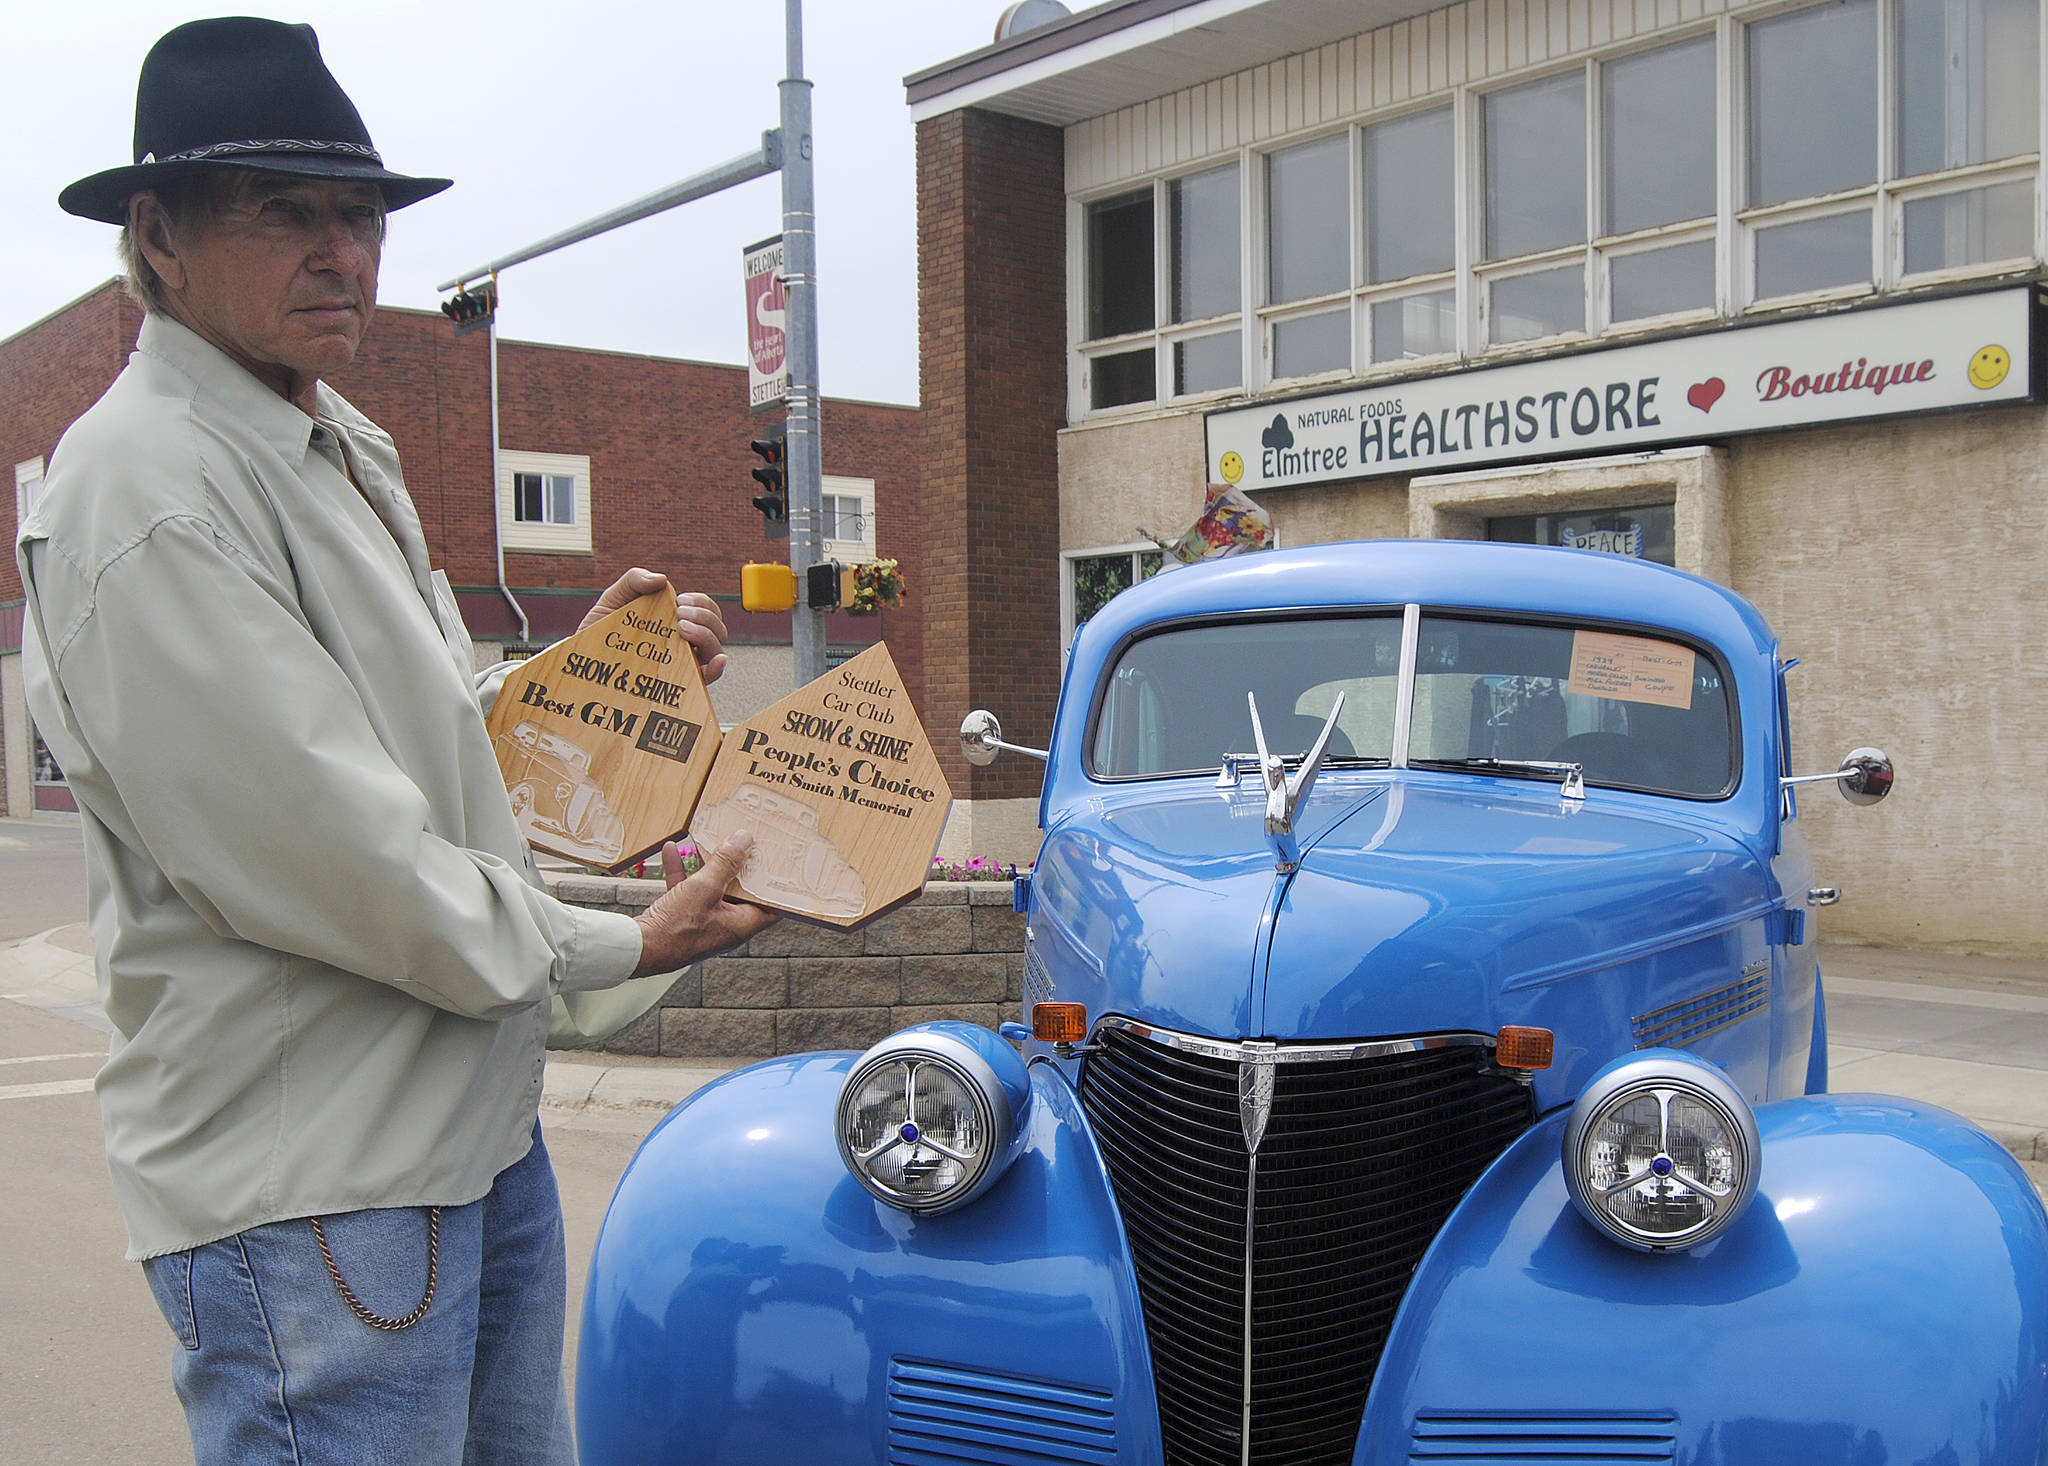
[[841, 791], [605, 739]]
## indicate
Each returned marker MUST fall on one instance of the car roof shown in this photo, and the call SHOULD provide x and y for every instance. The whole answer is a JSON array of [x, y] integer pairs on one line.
[[1480, 575]]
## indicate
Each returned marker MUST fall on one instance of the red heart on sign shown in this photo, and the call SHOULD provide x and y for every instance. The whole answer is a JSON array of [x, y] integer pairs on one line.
[[1704, 395]]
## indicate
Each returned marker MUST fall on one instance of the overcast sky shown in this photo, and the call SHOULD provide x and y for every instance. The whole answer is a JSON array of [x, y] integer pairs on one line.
[[544, 115]]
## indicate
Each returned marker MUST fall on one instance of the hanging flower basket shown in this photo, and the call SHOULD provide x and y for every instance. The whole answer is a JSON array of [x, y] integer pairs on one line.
[[877, 585]]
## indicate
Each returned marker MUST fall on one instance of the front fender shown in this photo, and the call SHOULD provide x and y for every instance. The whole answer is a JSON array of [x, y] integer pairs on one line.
[[1883, 1298], [748, 1301]]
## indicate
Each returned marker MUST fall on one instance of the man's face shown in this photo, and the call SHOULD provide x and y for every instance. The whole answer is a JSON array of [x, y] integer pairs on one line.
[[283, 276]]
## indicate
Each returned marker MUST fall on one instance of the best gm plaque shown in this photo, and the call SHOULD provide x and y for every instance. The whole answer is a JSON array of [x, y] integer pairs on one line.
[[841, 791], [604, 740]]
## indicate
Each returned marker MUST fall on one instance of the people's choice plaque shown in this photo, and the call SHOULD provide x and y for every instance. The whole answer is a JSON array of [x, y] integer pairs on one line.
[[605, 739], [841, 791]]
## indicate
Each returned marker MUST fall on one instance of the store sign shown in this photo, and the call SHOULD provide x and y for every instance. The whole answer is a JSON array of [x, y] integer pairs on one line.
[[1962, 351], [1627, 540], [761, 265]]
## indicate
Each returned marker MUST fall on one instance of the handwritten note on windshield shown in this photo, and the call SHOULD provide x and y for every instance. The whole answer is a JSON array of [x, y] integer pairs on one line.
[[1631, 669]]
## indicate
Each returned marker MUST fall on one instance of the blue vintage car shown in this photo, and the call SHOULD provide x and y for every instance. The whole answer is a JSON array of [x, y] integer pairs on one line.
[[1426, 1062]]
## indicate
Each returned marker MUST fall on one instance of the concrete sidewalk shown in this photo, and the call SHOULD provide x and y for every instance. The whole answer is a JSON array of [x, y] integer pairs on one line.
[[1967, 1033]]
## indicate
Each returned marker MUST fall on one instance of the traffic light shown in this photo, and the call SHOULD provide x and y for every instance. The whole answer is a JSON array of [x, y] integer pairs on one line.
[[773, 477], [472, 310]]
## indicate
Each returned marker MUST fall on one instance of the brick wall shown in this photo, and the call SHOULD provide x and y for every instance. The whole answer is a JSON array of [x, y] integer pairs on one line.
[[49, 374], [957, 952], [991, 257], [667, 440], [669, 469]]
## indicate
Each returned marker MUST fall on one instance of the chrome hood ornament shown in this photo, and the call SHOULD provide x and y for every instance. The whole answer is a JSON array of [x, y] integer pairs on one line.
[[1284, 794]]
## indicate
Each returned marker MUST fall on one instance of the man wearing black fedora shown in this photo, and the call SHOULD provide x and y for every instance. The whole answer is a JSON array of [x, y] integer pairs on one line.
[[325, 949]]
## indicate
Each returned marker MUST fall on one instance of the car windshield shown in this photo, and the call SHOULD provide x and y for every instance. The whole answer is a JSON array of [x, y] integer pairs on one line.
[[1634, 711], [1176, 702]]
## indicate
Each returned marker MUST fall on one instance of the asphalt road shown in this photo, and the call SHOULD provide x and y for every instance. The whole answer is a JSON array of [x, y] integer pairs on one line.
[[42, 878], [85, 1357]]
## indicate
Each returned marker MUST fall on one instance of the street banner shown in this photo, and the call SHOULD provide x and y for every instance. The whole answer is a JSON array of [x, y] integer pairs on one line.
[[605, 739], [762, 267]]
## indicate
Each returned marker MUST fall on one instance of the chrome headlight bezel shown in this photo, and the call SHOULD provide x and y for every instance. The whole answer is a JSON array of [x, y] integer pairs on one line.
[[996, 1086], [1670, 1077]]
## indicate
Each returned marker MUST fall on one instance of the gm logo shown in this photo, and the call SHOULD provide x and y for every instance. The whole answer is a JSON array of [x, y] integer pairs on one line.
[[669, 737]]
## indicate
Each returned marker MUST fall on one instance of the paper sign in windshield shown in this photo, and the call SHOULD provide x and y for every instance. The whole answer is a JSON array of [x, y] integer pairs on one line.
[[1631, 669]]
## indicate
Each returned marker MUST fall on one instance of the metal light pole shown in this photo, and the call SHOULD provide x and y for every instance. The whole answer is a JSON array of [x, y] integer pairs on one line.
[[800, 265], [787, 149]]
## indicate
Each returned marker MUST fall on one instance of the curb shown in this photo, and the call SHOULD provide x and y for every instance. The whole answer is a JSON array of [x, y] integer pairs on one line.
[[572, 1089]]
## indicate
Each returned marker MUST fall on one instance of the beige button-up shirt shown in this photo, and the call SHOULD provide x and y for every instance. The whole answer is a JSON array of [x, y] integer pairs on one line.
[[323, 945]]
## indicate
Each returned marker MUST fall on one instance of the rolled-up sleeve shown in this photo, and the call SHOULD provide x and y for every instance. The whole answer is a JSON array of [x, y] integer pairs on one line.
[[256, 782]]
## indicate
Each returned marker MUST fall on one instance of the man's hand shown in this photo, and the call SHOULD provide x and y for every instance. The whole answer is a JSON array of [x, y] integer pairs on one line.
[[692, 918], [697, 616]]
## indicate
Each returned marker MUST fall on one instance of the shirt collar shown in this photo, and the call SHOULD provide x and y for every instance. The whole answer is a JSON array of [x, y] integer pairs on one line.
[[229, 384]]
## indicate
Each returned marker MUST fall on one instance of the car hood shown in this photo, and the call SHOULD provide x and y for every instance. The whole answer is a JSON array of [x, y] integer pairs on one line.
[[1422, 904]]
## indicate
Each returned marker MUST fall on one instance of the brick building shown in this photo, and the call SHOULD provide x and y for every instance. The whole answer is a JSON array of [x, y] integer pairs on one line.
[[607, 461], [1750, 287]]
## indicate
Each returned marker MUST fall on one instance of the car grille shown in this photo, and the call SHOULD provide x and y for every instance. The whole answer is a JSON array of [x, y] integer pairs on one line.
[[1361, 1162]]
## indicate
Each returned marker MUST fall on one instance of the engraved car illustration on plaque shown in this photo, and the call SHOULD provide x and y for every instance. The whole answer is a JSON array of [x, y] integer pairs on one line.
[[548, 780], [792, 860]]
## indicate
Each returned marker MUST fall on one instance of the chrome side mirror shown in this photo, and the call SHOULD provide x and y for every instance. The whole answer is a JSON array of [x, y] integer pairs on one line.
[[981, 739], [1865, 776]]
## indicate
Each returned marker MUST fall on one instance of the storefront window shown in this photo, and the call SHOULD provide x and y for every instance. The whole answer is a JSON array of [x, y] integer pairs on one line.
[[1094, 579], [1813, 254], [1813, 102], [1545, 303], [1657, 136], [1641, 531], [1969, 82], [1308, 209], [1536, 166], [1310, 344], [1874, 143], [1414, 326], [1974, 227], [1207, 363], [1410, 203], [1658, 282], [1120, 266], [1205, 244]]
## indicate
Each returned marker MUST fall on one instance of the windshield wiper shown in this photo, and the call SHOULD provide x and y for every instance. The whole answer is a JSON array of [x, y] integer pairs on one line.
[[1573, 775], [1235, 765]]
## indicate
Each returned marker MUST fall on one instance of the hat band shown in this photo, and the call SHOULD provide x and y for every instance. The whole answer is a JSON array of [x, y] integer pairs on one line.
[[268, 145]]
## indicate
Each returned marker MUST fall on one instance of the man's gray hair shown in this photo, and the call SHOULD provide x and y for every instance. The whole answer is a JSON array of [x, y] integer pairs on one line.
[[185, 201]]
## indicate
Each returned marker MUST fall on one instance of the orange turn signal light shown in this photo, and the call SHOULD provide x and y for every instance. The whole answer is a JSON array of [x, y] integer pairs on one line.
[[1059, 1023], [1525, 1048]]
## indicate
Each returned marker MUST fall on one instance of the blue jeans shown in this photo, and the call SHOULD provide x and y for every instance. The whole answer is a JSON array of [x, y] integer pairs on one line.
[[275, 1369]]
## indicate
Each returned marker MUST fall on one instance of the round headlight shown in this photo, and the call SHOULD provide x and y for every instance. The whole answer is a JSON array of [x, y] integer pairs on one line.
[[929, 1117], [1661, 1151]]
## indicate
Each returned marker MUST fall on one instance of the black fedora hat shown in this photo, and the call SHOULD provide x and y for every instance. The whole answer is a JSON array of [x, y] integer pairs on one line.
[[241, 93]]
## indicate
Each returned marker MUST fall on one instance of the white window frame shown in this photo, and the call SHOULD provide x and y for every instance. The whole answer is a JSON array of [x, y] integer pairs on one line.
[[1164, 333], [1132, 548], [863, 489], [544, 539], [28, 487], [1731, 229]]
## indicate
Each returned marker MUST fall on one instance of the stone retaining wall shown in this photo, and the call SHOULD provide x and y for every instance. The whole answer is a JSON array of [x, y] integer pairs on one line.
[[957, 951]]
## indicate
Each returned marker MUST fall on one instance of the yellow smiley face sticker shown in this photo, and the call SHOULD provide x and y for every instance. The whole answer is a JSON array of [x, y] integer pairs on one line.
[[1989, 366], [1233, 466]]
